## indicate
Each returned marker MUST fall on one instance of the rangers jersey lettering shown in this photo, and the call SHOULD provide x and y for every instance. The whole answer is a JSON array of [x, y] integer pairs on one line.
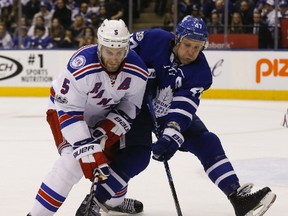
[[86, 93]]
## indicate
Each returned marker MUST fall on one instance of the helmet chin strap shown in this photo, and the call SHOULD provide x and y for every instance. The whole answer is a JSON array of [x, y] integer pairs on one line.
[[176, 58]]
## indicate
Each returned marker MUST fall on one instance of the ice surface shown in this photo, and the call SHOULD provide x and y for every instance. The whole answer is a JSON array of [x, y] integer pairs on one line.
[[250, 131]]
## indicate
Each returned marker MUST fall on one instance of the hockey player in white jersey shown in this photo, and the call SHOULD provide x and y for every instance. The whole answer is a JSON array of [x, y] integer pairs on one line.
[[96, 98]]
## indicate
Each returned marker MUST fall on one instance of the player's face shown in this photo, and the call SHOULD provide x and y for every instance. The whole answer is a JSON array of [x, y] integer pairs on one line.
[[112, 58], [188, 50]]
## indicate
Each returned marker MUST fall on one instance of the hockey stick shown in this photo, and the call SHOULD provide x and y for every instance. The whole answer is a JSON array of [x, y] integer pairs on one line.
[[166, 165], [285, 120], [85, 207]]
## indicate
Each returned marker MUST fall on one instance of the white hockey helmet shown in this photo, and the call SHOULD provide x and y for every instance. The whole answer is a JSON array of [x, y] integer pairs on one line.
[[113, 34]]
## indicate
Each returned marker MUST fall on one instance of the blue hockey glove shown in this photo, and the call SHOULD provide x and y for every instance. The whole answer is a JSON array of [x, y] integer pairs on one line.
[[167, 145]]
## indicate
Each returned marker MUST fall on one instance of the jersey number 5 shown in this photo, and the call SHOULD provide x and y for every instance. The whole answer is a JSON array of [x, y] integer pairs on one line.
[[65, 86]]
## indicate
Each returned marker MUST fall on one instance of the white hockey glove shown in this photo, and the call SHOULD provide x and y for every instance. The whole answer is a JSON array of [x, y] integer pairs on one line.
[[92, 159], [167, 145]]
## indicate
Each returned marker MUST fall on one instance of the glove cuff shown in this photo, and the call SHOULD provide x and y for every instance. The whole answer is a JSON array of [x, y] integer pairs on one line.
[[121, 123], [88, 149], [175, 135]]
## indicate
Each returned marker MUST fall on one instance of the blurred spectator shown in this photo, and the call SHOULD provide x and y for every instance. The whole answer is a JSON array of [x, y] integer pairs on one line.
[[97, 19], [21, 30], [220, 9], [6, 41], [40, 41], [31, 8], [215, 26], [68, 40], [208, 7], [45, 13], [246, 12], [87, 36], [195, 11], [24, 2], [259, 5], [77, 26], [182, 8], [114, 9], [268, 15], [73, 7], [21, 41], [56, 32], [168, 21], [93, 6], [160, 7], [87, 41], [283, 18], [80, 1], [9, 14], [236, 26], [283, 8], [84, 13], [23, 22], [39, 21], [63, 13], [261, 29], [125, 6]]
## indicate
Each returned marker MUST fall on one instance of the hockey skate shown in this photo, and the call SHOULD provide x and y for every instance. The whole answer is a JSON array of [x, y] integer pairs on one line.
[[129, 206], [251, 204], [88, 207]]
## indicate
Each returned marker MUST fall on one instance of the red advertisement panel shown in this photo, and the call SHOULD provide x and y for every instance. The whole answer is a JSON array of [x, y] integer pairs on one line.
[[237, 41], [284, 31]]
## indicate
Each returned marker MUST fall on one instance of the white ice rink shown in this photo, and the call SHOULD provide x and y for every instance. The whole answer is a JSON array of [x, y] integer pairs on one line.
[[251, 134]]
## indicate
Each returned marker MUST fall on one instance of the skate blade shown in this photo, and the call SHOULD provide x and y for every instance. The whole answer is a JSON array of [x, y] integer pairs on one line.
[[115, 213], [263, 206]]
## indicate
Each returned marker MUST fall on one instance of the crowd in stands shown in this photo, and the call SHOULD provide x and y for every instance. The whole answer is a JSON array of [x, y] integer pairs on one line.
[[244, 16], [47, 24]]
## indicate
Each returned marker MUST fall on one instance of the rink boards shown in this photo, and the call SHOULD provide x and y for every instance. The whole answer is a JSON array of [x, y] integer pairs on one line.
[[249, 74]]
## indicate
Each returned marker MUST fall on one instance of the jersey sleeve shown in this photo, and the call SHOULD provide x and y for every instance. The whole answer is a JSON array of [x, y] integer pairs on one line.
[[186, 99], [70, 100]]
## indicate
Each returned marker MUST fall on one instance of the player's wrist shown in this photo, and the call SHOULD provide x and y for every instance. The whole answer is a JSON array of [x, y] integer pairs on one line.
[[174, 135], [174, 125]]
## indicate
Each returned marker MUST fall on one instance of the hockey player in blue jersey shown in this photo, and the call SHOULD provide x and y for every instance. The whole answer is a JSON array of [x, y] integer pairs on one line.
[[180, 74], [95, 100]]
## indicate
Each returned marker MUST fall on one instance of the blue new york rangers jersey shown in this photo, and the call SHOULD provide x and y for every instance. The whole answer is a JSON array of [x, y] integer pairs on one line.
[[179, 86], [85, 93]]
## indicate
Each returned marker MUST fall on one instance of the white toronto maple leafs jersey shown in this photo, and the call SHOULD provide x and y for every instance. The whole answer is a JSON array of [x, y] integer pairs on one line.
[[85, 93]]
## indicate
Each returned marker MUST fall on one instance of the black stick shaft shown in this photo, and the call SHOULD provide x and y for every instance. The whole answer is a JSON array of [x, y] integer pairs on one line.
[[167, 168]]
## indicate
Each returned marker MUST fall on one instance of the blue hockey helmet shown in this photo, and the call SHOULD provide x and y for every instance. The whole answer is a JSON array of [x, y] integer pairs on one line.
[[193, 28]]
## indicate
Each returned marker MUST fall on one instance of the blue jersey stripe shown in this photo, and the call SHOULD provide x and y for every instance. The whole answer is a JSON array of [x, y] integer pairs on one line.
[[69, 122], [46, 204], [135, 73], [86, 73], [49, 194]]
